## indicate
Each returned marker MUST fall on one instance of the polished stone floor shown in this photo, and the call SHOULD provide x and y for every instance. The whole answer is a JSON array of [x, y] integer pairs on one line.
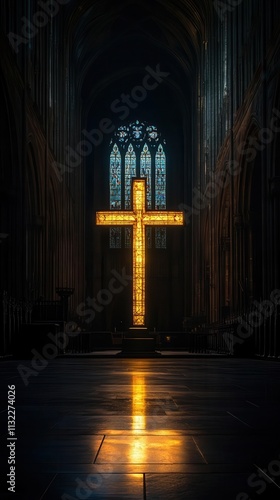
[[150, 429]]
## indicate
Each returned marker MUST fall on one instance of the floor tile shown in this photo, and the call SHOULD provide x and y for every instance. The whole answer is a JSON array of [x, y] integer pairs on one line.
[[164, 428], [205, 487], [149, 449], [93, 485]]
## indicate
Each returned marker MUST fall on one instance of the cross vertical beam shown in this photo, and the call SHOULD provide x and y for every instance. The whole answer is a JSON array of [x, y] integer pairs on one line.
[[139, 254], [139, 218]]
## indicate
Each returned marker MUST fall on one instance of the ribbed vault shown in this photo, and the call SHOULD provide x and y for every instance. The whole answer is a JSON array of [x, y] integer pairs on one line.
[[110, 41]]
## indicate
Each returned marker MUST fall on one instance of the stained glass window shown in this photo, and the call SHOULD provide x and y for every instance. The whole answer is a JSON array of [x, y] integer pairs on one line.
[[122, 134], [160, 193], [137, 130], [149, 237], [138, 146], [127, 237], [115, 179], [115, 237], [115, 193], [160, 237], [152, 133], [145, 171], [130, 171], [137, 133], [160, 179]]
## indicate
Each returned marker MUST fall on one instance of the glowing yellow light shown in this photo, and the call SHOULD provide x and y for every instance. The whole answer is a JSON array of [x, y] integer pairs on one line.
[[138, 444], [138, 218], [138, 403], [144, 446]]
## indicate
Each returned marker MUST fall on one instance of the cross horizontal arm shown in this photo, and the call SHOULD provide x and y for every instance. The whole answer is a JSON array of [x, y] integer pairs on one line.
[[158, 218], [116, 218], [139, 218]]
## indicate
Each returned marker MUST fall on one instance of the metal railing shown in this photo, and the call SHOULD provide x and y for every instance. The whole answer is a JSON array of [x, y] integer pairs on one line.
[[199, 342]]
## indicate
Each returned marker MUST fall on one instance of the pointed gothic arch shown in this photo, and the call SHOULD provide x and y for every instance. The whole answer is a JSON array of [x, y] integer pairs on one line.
[[137, 149], [33, 234]]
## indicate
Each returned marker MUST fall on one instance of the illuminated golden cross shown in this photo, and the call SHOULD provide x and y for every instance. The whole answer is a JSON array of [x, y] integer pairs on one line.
[[138, 218]]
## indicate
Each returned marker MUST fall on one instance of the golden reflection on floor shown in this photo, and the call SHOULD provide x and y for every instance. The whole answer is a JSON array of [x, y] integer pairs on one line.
[[138, 402], [140, 451], [138, 446]]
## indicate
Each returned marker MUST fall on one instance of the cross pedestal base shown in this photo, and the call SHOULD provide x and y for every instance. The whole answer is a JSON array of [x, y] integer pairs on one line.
[[137, 331], [138, 342]]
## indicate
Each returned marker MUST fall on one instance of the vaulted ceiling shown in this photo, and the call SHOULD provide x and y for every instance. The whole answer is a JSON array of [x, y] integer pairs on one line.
[[111, 41]]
